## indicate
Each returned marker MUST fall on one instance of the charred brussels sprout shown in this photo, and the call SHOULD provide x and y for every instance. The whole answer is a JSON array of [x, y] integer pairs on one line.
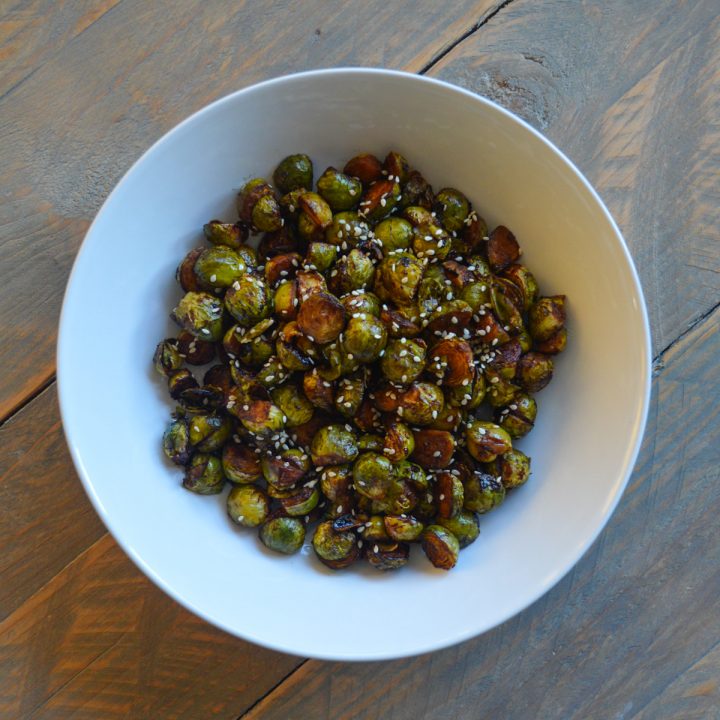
[[293, 173], [249, 300], [421, 404], [321, 255], [486, 440], [397, 278], [387, 555], [247, 506], [204, 475], [464, 526], [293, 403], [218, 267], [514, 468], [373, 475], [483, 492], [258, 206], [176, 442], [333, 445], [286, 469], [200, 314], [321, 317], [441, 547], [403, 529], [379, 199], [361, 303], [546, 317], [399, 442], [394, 233], [341, 191], [365, 167], [534, 371], [335, 549], [452, 208], [517, 418], [167, 358], [231, 234], [315, 216], [283, 534], [209, 432], [403, 361], [354, 271], [364, 338], [240, 463]]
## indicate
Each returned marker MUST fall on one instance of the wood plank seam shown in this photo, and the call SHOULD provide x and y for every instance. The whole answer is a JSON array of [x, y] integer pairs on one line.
[[451, 46], [272, 689], [39, 390]]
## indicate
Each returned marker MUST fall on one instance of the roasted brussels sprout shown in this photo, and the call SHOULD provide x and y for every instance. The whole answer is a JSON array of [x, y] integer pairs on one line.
[[333, 445], [321, 255], [204, 475], [395, 234], [449, 494], [240, 463], [249, 300], [231, 234], [440, 546], [294, 172], [286, 469], [364, 339], [258, 206], [341, 191], [514, 468], [176, 442], [397, 277], [379, 200], [534, 371], [486, 440], [399, 442], [209, 432], [387, 555], [373, 475], [403, 360], [365, 167], [167, 358], [546, 317], [433, 448], [315, 216], [452, 209], [464, 526], [194, 350], [421, 403], [283, 534], [483, 492], [200, 314], [354, 271], [293, 403], [321, 317], [247, 506], [403, 528], [335, 549], [218, 267], [517, 418]]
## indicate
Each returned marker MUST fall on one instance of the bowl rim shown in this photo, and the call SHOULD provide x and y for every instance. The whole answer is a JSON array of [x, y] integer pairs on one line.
[[117, 533]]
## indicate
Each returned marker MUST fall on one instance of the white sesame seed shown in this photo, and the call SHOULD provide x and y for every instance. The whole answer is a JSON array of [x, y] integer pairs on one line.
[[437, 454]]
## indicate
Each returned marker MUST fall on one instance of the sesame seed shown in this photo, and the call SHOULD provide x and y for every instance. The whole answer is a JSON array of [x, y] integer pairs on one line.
[[437, 454], [376, 549]]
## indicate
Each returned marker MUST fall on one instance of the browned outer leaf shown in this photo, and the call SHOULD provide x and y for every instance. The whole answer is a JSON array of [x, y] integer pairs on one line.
[[503, 248], [459, 358], [365, 167], [429, 442], [321, 317]]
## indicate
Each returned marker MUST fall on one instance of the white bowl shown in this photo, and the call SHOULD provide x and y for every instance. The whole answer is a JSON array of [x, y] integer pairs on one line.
[[114, 406]]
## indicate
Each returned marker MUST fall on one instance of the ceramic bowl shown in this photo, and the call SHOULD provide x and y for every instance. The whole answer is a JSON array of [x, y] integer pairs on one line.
[[115, 408]]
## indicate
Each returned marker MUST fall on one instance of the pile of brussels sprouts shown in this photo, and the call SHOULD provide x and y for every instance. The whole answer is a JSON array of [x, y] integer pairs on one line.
[[374, 359]]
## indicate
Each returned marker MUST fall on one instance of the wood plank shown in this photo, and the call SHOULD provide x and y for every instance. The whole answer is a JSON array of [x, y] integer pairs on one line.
[[631, 91], [46, 518], [631, 633], [72, 127], [32, 32], [100, 641]]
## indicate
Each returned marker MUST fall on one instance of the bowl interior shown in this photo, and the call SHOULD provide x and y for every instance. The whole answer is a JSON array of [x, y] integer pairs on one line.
[[115, 408]]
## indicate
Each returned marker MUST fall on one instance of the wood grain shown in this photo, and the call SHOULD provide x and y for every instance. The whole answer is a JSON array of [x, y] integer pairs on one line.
[[32, 32], [100, 641], [631, 633], [46, 518], [71, 128], [631, 91]]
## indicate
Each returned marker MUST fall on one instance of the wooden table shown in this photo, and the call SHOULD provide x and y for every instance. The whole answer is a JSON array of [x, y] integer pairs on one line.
[[630, 89]]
